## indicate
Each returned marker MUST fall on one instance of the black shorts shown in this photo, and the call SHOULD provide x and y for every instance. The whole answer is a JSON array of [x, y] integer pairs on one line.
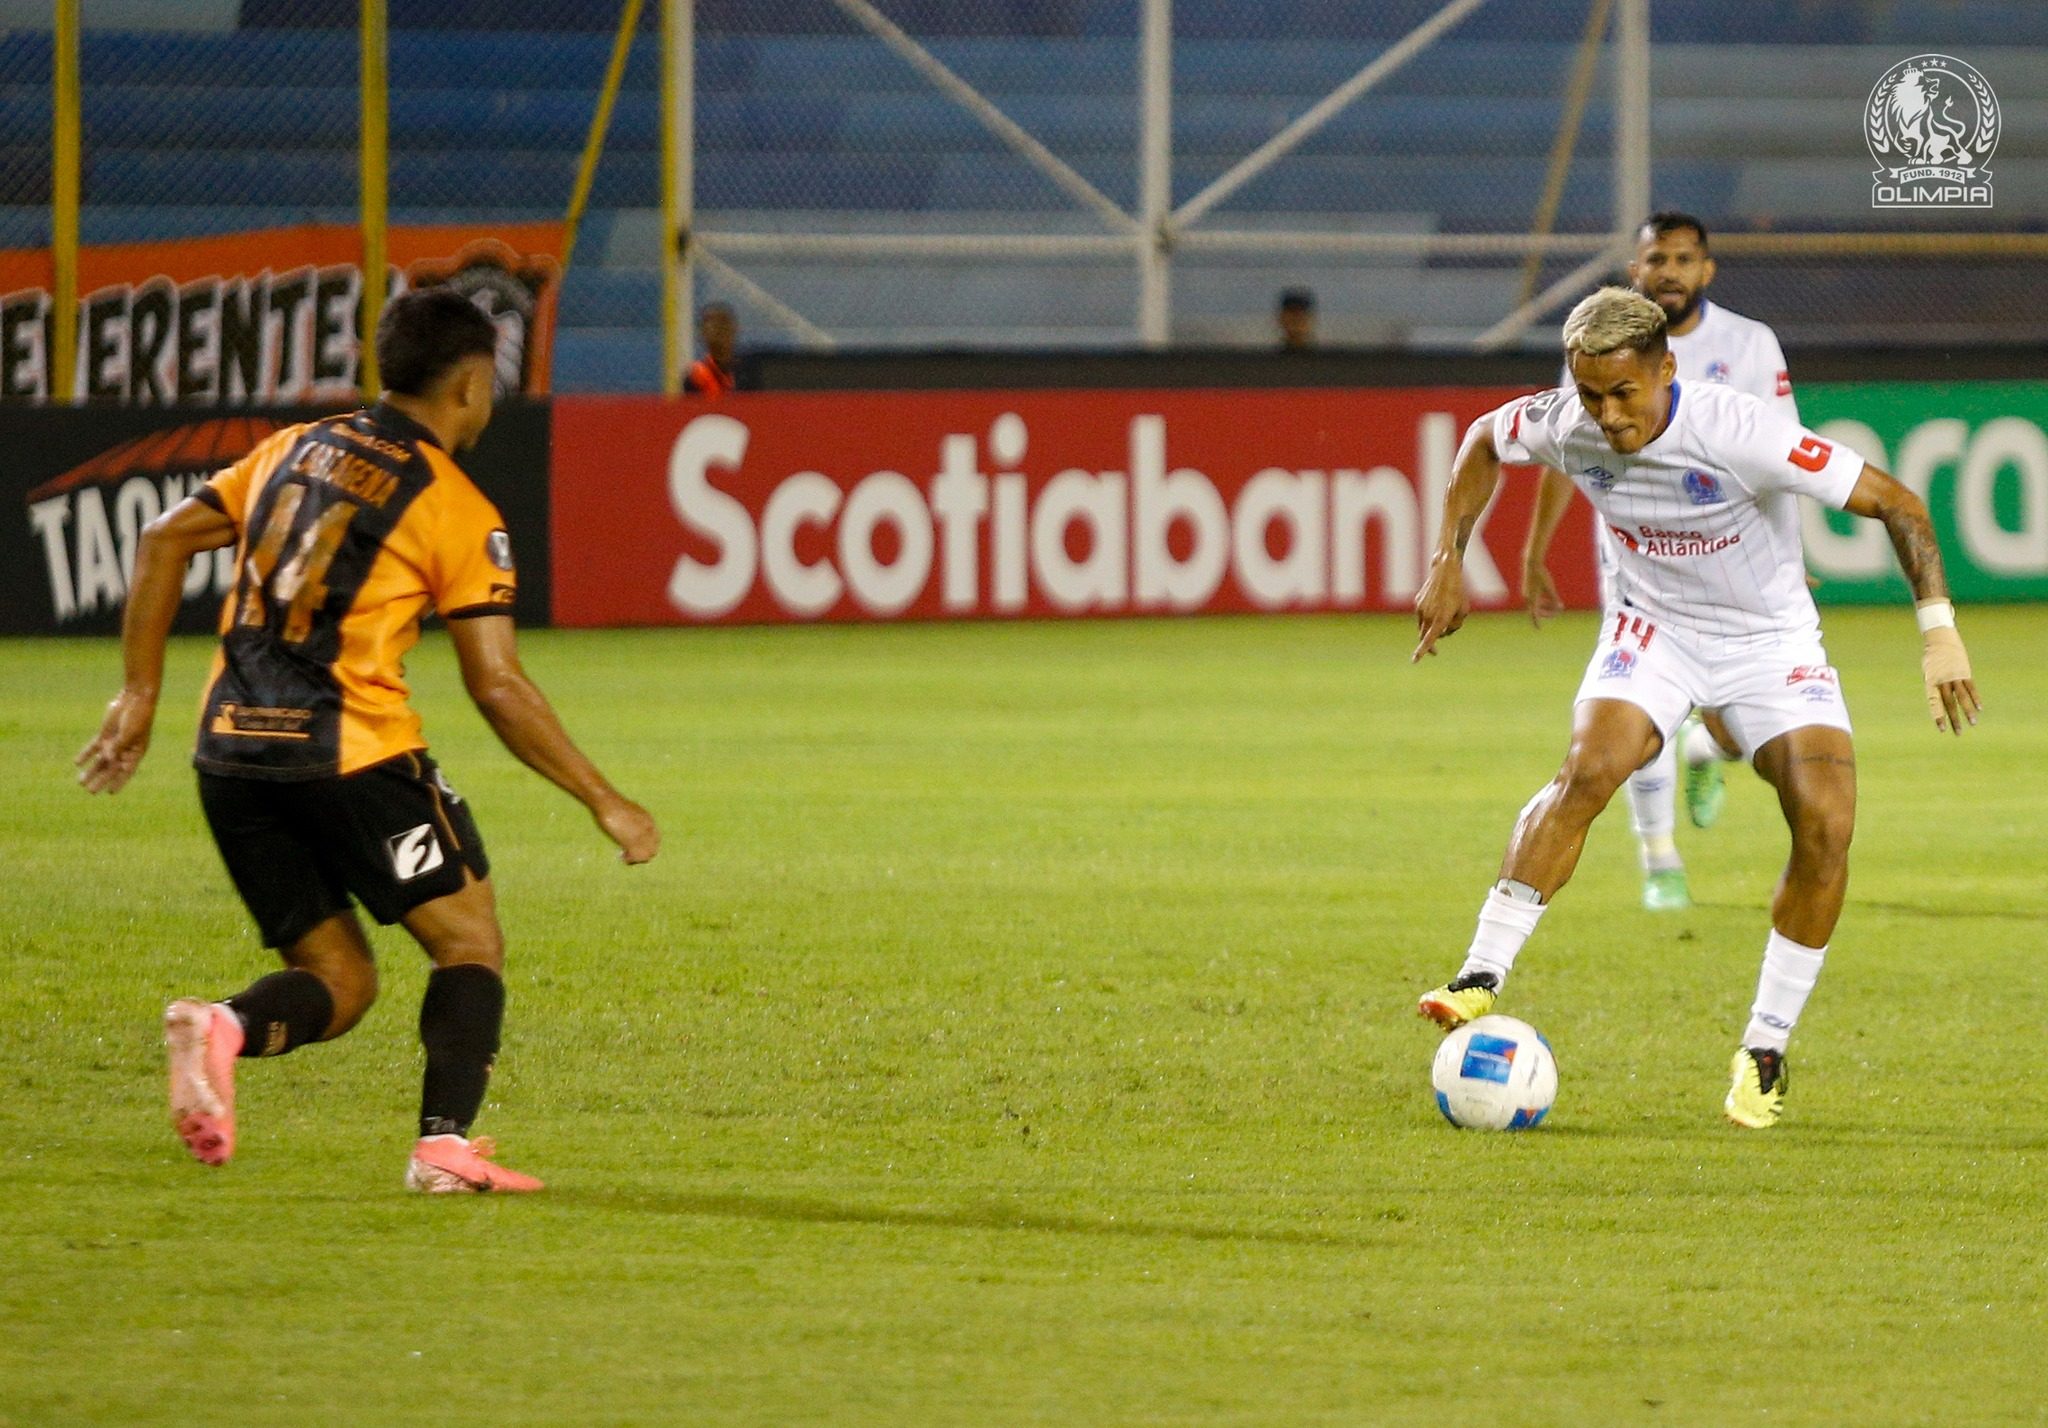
[[394, 834]]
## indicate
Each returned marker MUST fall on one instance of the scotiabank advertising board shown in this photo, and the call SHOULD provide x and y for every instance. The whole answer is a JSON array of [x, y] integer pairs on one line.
[[975, 505]]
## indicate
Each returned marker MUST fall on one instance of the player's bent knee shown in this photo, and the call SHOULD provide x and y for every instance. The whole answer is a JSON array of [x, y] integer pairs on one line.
[[1589, 779], [1823, 835]]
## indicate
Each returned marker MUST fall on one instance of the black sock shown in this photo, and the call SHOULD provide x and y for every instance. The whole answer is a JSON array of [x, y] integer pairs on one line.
[[281, 1011], [459, 1021]]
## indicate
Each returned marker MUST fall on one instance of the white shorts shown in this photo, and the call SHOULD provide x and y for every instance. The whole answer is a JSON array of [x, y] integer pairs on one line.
[[1759, 694]]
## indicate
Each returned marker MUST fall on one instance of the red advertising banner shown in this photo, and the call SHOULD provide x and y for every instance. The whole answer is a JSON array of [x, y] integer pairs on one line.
[[969, 505], [264, 317]]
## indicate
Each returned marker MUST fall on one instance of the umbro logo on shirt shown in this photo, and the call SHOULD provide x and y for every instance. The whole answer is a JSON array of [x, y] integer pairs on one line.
[[415, 852]]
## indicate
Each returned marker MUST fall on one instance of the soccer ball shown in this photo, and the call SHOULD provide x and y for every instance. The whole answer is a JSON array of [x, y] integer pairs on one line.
[[1495, 1073]]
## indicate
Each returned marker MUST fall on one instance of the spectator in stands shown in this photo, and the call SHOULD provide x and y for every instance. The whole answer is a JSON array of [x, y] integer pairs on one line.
[[1297, 320], [711, 375]]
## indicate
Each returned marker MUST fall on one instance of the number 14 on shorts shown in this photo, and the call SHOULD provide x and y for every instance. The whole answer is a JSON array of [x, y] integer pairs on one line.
[[1632, 627]]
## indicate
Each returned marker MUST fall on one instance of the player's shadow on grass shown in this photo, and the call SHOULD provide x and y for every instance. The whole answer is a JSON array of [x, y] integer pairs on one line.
[[1950, 914], [1835, 1134], [1946, 913], [791, 1209]]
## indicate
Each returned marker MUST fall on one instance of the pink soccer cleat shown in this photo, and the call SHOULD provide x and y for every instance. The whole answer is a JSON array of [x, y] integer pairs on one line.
[[203, 1039], [450, 1165]]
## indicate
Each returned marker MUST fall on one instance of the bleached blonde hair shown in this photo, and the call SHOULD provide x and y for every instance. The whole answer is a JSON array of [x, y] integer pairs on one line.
[[1613, 320]]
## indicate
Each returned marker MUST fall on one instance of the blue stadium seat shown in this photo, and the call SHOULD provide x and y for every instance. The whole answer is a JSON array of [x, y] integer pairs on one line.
[[607, 359], [608, 297], [24, 225], [25, 174]]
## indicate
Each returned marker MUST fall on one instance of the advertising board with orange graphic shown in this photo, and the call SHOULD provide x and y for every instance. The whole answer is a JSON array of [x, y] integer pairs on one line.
[[265, 317]]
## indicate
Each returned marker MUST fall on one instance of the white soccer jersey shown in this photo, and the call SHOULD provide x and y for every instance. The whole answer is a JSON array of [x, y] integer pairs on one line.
[[1735, 351], [1704, 520]]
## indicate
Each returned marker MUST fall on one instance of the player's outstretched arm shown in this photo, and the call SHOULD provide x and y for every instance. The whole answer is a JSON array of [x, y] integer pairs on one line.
[[1539, 591], [1944, 665], [167, 545], [1441, 607], [522, 718]]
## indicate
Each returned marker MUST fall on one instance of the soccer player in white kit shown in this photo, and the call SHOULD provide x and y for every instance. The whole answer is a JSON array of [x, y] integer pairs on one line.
[[1673, 268], [1698, 485]]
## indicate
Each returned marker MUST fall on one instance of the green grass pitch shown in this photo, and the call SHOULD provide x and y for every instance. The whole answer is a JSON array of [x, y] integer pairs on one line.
[[1016, 1029]]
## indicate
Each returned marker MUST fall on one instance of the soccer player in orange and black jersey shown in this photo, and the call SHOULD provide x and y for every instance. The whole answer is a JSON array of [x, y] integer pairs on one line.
[[312, 770]]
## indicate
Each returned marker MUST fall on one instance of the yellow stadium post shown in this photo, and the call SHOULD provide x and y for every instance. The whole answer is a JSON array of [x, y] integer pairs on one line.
[[1577, 91], [64, 195], [600, 125], [373, 172], [678, 145]]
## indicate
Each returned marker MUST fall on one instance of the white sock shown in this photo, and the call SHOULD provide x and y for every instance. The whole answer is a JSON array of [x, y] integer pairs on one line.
[[1789, 973], [1652, 810], [1505, 923], [1701, 747]]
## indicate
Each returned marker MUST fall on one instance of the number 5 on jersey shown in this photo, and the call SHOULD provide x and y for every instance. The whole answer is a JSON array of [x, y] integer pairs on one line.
[[1811, 454]]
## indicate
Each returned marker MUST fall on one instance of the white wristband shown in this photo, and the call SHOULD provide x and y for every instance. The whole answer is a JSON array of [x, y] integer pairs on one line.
[[1935, 615]]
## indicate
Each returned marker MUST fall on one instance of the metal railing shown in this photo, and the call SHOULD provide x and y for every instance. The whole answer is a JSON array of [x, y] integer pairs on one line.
[[1155, 230]]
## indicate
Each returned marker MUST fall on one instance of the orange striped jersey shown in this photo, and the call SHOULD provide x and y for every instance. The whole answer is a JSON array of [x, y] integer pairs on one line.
[[348, 530]]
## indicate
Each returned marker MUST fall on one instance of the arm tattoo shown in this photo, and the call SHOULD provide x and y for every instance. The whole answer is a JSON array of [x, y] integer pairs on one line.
[[1464, 532], [1919, 553]]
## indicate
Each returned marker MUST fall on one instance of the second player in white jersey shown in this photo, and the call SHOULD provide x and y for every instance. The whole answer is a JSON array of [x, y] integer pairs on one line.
[[1730, 350], [1703, 518]]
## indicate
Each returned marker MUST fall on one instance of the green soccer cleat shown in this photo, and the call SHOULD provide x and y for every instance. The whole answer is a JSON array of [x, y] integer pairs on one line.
[[1757, 1098], [1665, 890], [1705, 789], [1463, 999]]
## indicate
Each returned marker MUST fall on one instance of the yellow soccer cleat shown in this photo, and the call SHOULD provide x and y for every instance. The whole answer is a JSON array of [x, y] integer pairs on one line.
[[1757, 1098], [1463, 999]]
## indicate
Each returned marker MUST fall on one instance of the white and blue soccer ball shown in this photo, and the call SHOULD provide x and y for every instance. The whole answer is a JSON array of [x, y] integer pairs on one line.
[[1495, 1073]]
